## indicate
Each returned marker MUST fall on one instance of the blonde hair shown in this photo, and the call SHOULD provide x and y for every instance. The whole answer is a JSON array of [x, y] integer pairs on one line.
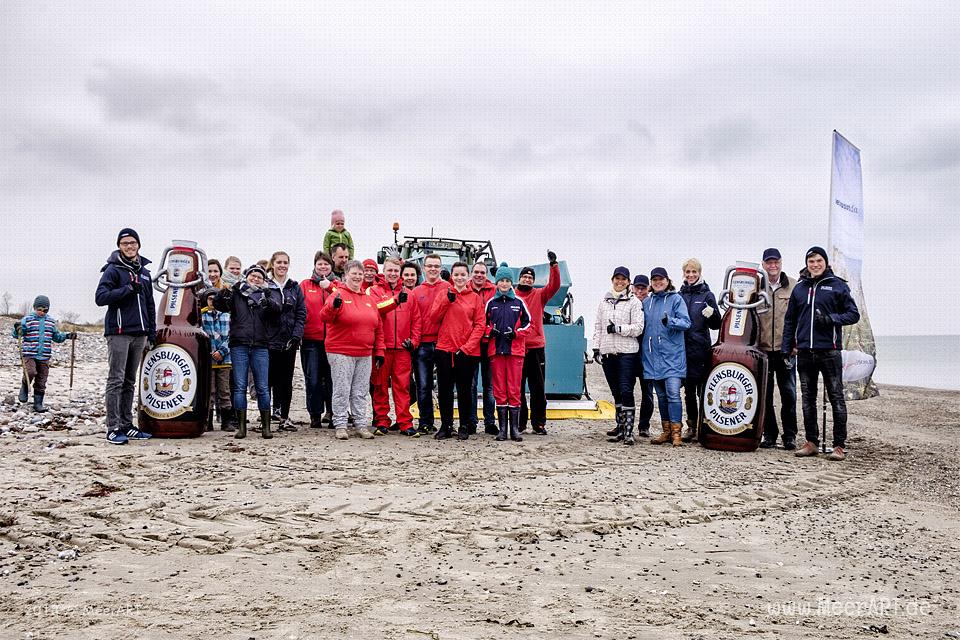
[[692, 263]]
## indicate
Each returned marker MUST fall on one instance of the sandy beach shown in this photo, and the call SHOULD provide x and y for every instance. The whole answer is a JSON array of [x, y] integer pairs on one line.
[[563, 536]]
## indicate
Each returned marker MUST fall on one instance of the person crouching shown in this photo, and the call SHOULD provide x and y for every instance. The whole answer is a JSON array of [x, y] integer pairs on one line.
[[507, 323]]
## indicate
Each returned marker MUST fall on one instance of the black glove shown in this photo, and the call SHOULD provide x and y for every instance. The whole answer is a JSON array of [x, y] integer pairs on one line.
[[596, 356], [402, 297], [509, 333], [378, 361], [445, 275], [821, 319], [18, 330], [292, 344], [611, 328], [451, 296], [552, 257], [72, 335], [337, 301], [663, 320], [151, 342], [136, 286], [407, 344]]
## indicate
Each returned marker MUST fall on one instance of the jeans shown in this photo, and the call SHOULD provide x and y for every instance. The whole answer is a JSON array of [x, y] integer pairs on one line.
[[316, 377], [784, 370], [646, 394], [282, 364], [668, 399], [534, 377], [618, 370], [454, 371], [256, 359], [811, 363], [424, 371], [489, 404], [693, 389], [124, 353]]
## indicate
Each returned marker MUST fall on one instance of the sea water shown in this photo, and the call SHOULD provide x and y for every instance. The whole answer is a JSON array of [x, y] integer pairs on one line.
[[919, 361]]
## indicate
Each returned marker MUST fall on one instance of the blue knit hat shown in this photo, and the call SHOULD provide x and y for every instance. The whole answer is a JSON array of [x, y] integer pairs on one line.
[[41, 301]]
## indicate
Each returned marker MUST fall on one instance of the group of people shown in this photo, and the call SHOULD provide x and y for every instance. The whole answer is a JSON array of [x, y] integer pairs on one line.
[[662, 337]]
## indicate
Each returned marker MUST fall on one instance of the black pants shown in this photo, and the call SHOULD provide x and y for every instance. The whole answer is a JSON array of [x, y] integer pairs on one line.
[[455, 372], [811, 363], [282, 364], [783, 369], [618, 370], [646, 394], [533, 380], [693, 389]]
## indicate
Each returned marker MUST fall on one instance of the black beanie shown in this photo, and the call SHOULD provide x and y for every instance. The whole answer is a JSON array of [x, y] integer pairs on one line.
[[527, 270], [127, 232], [818, 250]]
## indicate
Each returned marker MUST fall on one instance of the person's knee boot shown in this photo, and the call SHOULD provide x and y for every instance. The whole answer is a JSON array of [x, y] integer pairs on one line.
[[613, 433], [265, 424], [515, 424], [241, 424], [627, 424], [24, 391], [38, 403], [503, 418]]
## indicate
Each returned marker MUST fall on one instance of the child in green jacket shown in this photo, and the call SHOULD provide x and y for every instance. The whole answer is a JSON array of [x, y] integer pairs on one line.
[[337, 233]]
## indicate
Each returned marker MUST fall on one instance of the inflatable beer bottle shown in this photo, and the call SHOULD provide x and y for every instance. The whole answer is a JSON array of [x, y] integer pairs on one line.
[[733, 400], [175, 373]]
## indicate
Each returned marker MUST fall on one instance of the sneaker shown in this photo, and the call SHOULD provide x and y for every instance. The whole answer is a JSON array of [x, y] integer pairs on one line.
[[135, 434], [789, 445], [808, 449], [411, 432], [837, 454], [540, 430], [381, 431], [275, 416], [341, 434], [116, 437], [768, 444], [365, 433], [394, 427]]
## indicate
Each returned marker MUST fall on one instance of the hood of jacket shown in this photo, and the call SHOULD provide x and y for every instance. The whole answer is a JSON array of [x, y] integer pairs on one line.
[[114, 259]]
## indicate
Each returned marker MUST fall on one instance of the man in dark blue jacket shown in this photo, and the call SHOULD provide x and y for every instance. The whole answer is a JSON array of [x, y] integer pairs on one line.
[[819, 307], [130, 325]]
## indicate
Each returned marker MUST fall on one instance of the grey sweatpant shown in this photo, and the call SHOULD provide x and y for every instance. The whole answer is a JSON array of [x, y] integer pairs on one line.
[[351, 389], [123, 362]]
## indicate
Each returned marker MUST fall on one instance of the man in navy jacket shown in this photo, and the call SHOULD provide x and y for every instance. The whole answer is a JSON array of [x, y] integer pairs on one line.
[[129, 325], [819, 307]]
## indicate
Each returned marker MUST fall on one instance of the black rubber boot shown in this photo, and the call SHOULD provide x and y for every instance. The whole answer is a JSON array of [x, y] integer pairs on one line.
[[38, 403], [503, 416], [515, 424], [24, 392], [628, 418], [613, 433], [241, 424], [265, 425], [209, 419], [445, 432], [229, 419]]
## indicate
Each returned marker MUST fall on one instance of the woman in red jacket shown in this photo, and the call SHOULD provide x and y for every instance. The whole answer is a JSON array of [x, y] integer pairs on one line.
[[313, 355], [460, 315], [354, 334]]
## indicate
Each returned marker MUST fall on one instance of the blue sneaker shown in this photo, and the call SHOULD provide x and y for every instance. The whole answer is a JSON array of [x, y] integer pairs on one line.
[[116, 437], [135, 434]]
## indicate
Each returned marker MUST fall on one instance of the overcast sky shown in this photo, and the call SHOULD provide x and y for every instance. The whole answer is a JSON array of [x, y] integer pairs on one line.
[[636, 134]]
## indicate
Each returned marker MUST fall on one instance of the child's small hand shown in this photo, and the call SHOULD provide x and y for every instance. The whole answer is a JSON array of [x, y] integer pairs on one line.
[[217, 356]]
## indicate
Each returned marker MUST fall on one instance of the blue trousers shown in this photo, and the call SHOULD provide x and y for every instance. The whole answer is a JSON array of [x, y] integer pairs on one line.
[[668, 399], [257, 359]]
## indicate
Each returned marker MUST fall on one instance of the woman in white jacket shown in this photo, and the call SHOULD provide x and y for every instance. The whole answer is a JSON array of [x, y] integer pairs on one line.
[[615, 338]]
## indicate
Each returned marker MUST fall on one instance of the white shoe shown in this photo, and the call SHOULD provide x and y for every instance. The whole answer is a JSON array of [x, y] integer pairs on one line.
[[341, 434], [365, 433]]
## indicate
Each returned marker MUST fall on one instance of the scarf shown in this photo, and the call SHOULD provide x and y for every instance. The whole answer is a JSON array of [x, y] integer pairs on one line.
[[132, 265], [229, 278], [253, 293], [523, 288]]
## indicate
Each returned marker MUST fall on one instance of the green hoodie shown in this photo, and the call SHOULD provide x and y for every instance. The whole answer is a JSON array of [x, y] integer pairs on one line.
[[333, 237]]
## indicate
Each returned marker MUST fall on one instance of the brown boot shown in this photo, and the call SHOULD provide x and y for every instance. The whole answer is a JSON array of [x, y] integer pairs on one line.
[[690, 433], [663, 437], [808, 449], [675, 428]]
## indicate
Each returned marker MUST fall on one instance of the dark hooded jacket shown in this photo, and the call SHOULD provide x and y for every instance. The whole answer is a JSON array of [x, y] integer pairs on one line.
[[293, 314], [251, 316], [831, 296], [128, 313], [697, 337]]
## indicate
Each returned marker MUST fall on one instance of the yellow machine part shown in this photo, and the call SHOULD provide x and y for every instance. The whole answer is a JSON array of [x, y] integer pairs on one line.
[[603, 411]]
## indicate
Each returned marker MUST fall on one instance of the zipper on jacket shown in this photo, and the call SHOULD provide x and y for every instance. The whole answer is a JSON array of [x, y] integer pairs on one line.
[[119, 321], [140, 309]]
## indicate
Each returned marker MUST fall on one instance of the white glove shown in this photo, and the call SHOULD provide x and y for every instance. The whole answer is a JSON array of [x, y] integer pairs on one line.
[[707, 311], [324, 284]]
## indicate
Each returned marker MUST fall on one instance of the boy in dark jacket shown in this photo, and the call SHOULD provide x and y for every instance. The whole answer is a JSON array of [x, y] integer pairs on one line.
[[508, 322], [819, 307], [38, 332], [129, 326]]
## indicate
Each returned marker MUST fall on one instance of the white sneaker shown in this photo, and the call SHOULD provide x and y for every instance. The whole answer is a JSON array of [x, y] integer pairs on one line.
[[365, 433], [341, 434]]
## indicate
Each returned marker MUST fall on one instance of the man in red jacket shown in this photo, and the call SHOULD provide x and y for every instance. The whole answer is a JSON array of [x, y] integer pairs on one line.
[[401, 334], [485, 289], [424, 295], [535, 362]]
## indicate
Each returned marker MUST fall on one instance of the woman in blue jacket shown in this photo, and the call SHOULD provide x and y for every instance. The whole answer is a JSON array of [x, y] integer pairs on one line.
[[704, 316], [664, 351]]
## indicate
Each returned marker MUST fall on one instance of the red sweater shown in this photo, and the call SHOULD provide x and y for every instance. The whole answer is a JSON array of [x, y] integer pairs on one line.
[[400, 321], [424, 295], [315, 297], [536, 300], [461, 321], [354, 329]]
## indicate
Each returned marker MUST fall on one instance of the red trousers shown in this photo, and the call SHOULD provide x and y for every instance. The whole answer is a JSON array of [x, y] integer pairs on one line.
[[506, 371], [394, 373]]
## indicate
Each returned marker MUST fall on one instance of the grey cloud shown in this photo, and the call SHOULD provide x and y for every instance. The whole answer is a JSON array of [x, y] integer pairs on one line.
[[929, 152], [727, 139], [171, 100], [81, 151], [312, 113]]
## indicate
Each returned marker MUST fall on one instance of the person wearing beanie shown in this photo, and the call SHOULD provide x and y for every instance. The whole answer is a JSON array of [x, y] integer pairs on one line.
[[781, 369], [535, 360], [820, 306], [507, 324], [619, 322], [371, 275], [253, 314], [216, 324], [37, 332], [337, 234], [704, 317], [664, 351], [129, 325]]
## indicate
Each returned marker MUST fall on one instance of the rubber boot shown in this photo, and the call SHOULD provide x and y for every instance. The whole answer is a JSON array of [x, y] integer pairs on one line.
[[663, 437], [38, 403], [613, 433], [675, 428], [628, 418], [229, 420], [241, 424], [690, 433], [24, 391], [515, 424], [503, 417], [209, 419], [265, 424]]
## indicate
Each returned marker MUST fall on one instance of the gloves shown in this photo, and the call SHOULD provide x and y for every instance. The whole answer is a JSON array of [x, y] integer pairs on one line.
[[445, 275], [707, 311], [821, 319], [378, 361], [596, 356], [151, 342], [402, 297], [451, 296], [292, 344], [337, 302], [72, 335], [137, 287], [663, 320], [407, 344], [612, 328], [18, 330], [509, 333], [552, 257]]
